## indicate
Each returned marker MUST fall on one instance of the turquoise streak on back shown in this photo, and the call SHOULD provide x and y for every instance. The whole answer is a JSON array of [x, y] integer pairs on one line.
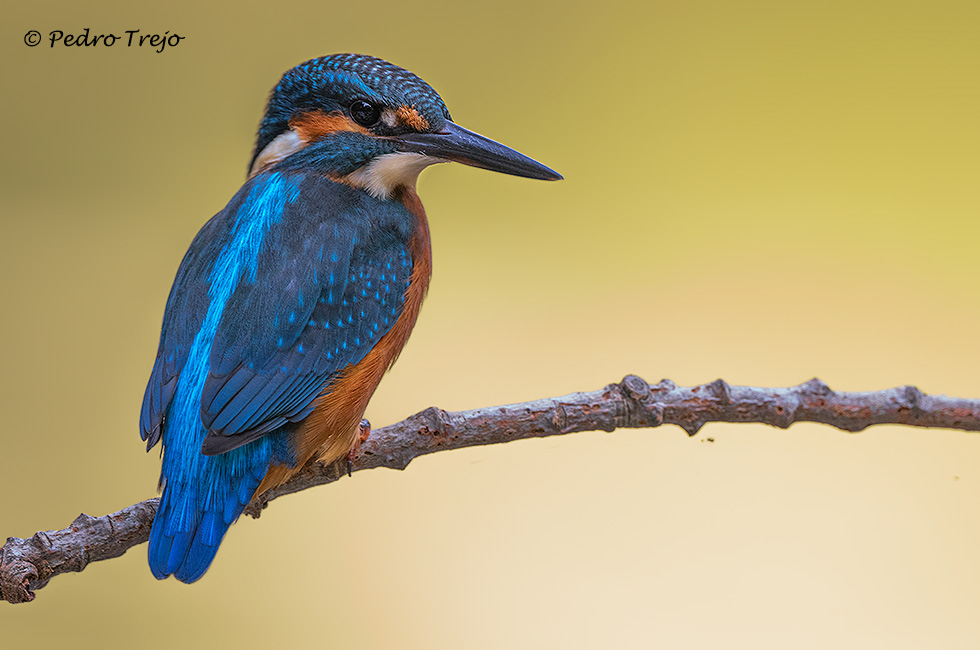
[[204, 495]]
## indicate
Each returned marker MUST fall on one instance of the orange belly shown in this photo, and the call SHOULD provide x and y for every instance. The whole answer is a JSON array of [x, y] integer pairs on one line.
[[329, 432]]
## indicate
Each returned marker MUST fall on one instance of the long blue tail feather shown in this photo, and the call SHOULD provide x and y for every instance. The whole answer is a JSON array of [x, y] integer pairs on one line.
[[184, 546]]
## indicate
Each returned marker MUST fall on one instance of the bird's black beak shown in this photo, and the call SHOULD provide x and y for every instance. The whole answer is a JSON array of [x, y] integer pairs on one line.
[[460, 145]]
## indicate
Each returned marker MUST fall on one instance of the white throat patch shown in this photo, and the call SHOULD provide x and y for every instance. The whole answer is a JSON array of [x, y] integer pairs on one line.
[[285, 144], [383, 175]]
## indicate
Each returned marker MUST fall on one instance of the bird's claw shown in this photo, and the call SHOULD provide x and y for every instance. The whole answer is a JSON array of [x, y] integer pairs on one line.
[[364, 431]]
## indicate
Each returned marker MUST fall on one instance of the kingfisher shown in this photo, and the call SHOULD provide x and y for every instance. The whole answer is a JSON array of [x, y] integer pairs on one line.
[[294, 300]]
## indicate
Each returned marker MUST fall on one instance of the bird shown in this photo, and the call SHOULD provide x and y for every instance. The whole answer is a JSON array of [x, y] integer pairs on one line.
[[294, 300]]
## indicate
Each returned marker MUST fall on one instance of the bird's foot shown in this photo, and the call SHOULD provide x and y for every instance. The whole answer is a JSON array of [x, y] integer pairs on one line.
[[364, 431]]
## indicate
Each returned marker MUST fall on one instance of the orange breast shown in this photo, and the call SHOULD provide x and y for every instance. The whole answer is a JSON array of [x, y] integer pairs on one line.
[[330, 430]]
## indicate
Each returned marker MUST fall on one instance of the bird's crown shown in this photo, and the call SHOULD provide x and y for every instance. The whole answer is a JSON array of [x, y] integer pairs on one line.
[[355, 84]]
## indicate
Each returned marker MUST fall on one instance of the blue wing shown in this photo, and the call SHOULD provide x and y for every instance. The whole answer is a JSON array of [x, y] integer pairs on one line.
[[186, 307], [322, 284]]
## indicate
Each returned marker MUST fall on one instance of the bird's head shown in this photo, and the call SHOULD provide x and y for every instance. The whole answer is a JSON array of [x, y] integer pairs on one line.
[[371, 124]]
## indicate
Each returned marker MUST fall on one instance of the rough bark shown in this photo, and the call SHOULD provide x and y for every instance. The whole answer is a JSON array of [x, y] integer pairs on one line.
[[28, 565]]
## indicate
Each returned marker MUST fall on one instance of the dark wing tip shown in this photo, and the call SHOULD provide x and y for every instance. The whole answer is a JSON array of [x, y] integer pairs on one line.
[[152, 438], [215, 444]]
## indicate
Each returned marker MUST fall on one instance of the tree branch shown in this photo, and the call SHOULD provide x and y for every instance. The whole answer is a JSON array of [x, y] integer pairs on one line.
[[28, 565]]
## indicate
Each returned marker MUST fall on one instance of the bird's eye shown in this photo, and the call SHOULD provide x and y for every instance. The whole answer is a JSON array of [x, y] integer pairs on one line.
[[365, 113]]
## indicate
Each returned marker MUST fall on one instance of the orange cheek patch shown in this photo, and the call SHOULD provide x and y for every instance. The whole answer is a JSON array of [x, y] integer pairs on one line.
[[410, 117], [315, 125]]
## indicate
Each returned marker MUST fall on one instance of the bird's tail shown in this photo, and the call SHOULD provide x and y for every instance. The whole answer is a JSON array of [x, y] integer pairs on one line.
[[190, 523]]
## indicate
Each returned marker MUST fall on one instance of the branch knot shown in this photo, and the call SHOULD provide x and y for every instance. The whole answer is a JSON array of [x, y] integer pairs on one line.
[[436, 423], [722, 391], [641, 409], [913, 396]]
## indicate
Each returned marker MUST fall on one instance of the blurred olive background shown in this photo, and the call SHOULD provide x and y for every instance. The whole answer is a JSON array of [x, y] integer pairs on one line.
[[759, 191]]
